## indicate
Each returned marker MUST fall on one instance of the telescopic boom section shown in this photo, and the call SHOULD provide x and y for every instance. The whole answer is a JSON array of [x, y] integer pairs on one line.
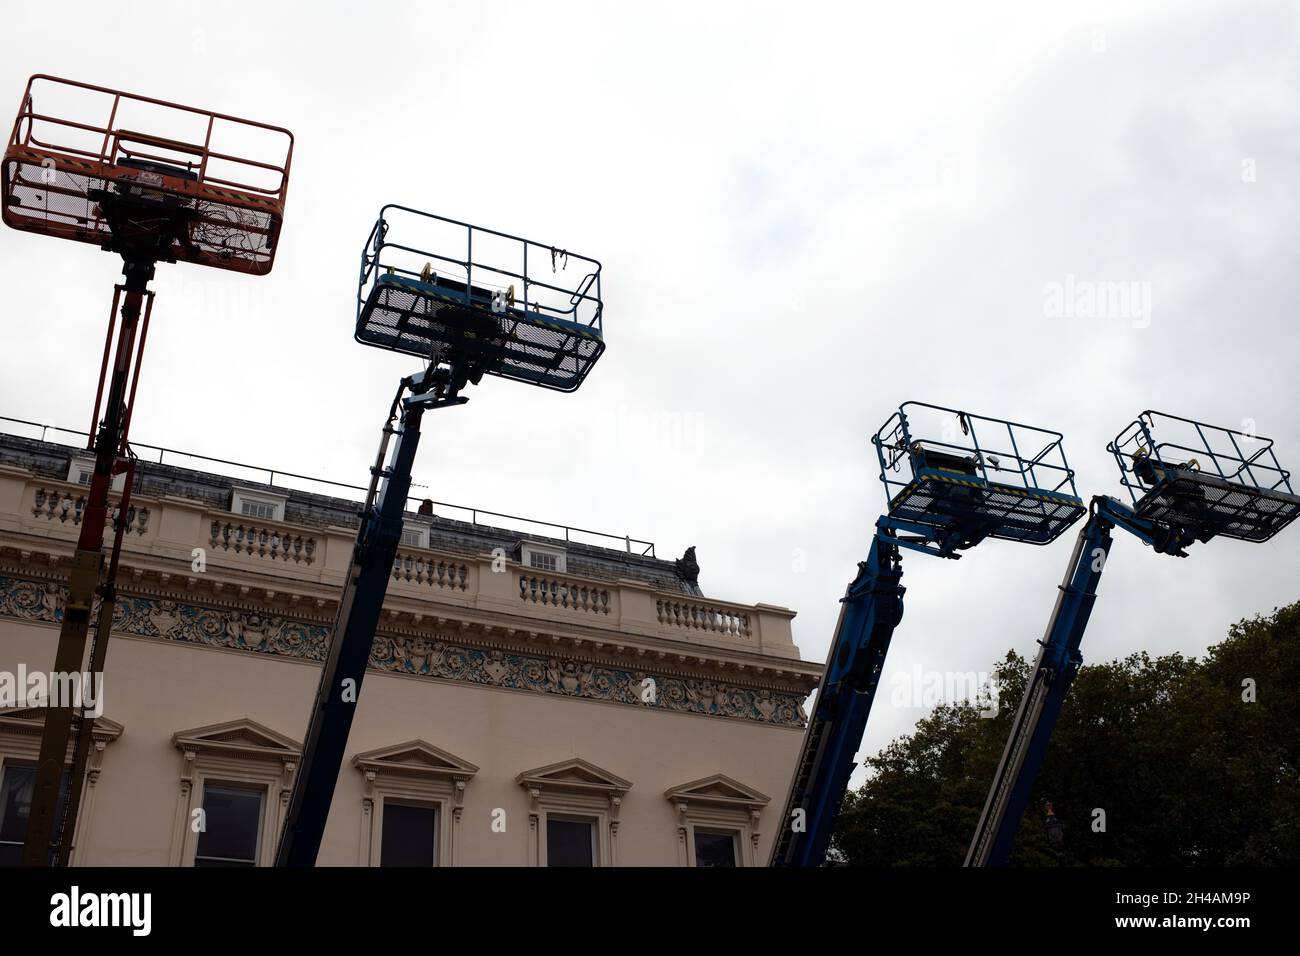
[[358, 617], [42, 842], [869, 612], [1058, 661]]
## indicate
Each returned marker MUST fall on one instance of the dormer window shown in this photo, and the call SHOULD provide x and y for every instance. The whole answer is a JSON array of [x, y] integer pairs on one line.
[[542, 558], [543, 561], [82, 468], [415, 535], [257, 509], [261, 505]]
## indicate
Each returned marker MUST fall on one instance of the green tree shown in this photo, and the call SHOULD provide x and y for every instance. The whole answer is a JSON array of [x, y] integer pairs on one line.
[[1186, 767]]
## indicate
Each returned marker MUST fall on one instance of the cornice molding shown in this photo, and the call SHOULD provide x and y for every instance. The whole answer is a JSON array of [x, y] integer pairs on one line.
[[486, 629]]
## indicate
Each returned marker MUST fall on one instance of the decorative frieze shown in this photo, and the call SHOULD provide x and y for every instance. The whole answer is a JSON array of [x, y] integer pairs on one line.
[[432, 657]]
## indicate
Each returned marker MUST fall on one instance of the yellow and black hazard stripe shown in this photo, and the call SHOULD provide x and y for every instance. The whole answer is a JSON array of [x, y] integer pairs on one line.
[[107, 170], [242, 199], [38, 157], [992, 486], [1049, 497]]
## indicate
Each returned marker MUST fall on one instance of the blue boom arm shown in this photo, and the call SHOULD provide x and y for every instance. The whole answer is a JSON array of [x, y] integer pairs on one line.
[[869, 611], [358, 615], [1054, 670]]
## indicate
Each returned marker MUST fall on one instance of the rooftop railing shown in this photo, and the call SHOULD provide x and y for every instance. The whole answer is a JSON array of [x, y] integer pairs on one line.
[[275, 477]]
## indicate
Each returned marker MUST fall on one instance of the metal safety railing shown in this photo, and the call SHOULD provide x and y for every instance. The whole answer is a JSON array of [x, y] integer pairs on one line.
[[502, 262], [998, 450], [58, 133], [569, 533], [1170, 441]]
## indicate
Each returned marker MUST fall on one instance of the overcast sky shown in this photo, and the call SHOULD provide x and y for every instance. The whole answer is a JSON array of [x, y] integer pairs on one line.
[[807, 214]]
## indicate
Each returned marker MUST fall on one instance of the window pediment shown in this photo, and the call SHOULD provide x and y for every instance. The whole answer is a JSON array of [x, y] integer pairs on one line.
[[718, 790], [712, 804], [415, 771], [238, 753], [416, 757], [574, 787], [30, 722], [574, 774], [20, 739], [243, 737]]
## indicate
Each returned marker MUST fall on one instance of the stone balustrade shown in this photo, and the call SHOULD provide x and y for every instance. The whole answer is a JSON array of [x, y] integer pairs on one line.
[[720, 619], [66, 504], [258, 554], [261, 539], [417, 566], [559, 592]]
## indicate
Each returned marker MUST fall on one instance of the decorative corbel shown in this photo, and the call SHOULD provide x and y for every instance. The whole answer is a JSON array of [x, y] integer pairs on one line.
[[187, 771], [458, 796], [181, 831], [365, 847], [286, 779], [615, 803], [95, 764], [683, 854], [534, 826]]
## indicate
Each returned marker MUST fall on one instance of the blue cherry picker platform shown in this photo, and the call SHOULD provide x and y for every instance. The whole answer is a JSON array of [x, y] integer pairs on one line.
[[467, 302], [519, 309], [967, 478]]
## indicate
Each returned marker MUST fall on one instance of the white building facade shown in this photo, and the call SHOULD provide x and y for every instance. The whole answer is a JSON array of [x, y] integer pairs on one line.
[[530, 701]]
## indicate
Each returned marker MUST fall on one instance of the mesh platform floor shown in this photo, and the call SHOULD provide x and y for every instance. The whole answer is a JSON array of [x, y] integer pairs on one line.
[[1208, 505], [1014, 514], [225, 235], [421, 319]]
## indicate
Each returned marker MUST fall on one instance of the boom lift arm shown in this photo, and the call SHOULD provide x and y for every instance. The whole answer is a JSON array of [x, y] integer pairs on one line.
[[869, 611], [447, 311], [1058, 661], [1015, 485], [359, 609], [1188, 482], [149, 199]]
